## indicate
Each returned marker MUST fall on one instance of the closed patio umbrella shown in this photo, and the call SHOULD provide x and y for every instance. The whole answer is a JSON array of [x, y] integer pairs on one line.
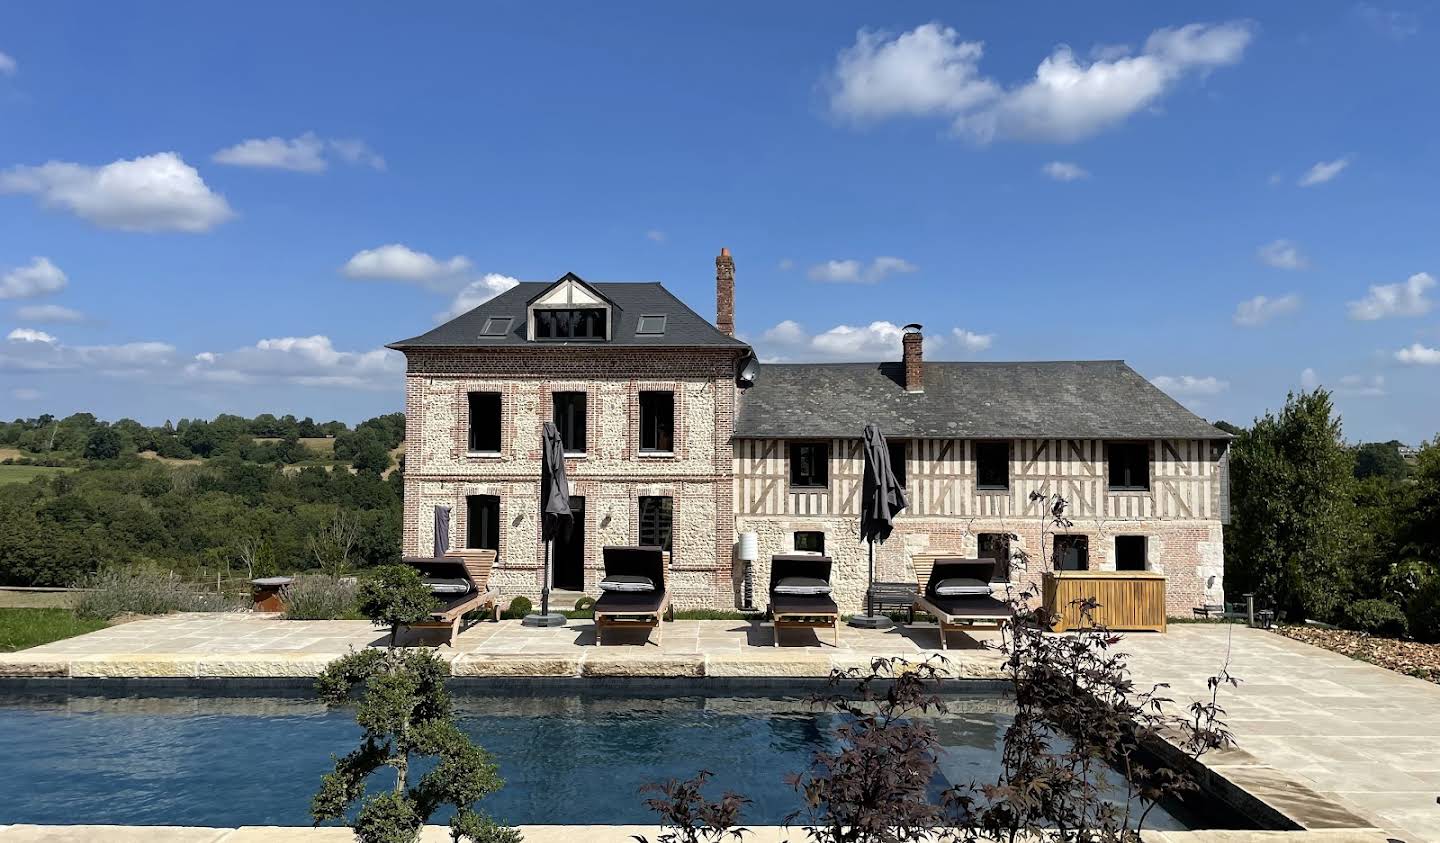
[[555, 516], [881, 499], [442, 531]]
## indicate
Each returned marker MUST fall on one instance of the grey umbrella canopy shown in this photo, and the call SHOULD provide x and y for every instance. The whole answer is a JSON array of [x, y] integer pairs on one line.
[[881, 497], [442, 530], [554, 488]]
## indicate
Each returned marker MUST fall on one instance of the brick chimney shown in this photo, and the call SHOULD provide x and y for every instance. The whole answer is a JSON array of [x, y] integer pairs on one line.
[[914, 344], [725, 292]]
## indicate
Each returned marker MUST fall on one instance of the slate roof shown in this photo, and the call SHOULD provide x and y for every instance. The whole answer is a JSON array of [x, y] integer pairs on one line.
[[684, 328], [1100, 399]]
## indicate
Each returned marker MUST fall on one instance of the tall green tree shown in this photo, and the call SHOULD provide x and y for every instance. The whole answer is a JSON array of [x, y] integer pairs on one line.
[[1292, 530]]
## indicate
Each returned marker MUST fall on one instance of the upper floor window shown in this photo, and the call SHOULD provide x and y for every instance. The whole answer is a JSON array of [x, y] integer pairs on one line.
[[899, 451], [657, 421], [570, 420], [656, 519], [579, 324], [1129, 466], [809, 465], [484, 422], [992, 466]]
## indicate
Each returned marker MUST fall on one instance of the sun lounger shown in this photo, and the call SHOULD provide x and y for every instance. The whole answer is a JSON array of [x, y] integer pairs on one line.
[[447, 575], [803, 611], [957, 612], [644, 608]]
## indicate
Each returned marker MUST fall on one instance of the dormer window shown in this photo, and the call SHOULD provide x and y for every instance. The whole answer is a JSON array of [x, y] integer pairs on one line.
[[570, 311]]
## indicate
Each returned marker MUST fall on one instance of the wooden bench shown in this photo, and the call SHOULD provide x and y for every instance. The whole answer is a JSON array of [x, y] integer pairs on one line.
[[473, 565]]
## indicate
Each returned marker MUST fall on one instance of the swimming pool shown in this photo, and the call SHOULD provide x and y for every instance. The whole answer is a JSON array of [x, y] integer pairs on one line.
[[189, 758]]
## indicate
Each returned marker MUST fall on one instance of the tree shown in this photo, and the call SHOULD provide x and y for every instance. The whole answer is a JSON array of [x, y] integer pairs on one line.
[[395, 596], [1420, 533], [405, 713], [1292, 529], [1380, 459], [102, 444], [371, 457], [332, 545]]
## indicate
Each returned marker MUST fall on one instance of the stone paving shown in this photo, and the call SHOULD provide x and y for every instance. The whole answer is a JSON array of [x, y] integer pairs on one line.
[[1366, 737]]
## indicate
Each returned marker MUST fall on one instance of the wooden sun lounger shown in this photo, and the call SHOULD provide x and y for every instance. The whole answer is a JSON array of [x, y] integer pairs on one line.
[[793, 611], [473, 565], [956, 614], [629, 610]]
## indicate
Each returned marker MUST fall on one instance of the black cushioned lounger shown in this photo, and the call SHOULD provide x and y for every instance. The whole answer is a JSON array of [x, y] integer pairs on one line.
[[633, 608]]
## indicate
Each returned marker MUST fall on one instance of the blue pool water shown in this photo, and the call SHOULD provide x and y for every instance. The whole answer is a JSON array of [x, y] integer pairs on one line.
[[193, 759]]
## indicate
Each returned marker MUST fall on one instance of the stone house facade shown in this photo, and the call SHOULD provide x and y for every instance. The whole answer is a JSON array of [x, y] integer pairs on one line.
[[680, 438]]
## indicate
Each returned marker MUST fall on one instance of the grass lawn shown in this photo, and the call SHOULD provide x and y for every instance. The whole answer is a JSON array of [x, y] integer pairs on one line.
[[26, 473], [21, 628]]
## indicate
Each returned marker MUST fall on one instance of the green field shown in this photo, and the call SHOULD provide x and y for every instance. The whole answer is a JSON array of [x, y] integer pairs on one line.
[[21, 628], [26, 473]]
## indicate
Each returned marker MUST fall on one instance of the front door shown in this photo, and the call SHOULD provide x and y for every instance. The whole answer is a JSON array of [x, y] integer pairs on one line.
[[567, 555]]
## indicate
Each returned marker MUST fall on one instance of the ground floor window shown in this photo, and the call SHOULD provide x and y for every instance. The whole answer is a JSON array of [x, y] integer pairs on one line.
[[656, 518], [996, 546], [1072, 553], [482, 522], [810, 541], [1130, 553]]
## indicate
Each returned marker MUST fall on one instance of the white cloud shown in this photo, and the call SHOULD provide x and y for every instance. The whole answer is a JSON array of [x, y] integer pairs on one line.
[[308, 361], [655, 235], [1362, 385], [8, 65], [476, 293], [397, 262], [49, 313], [1419, 355], [971, 341], [1065, 171], [1282, 254], [37, 278], [1323, 171], [29, 335], [1191, 385], [153, 193], [930, 71], [854, 272], [1309, 380], [1406, 298], [306, 154], [1261, 309], [25, 394]]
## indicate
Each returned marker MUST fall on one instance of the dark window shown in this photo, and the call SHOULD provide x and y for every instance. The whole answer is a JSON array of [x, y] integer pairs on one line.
[[996, 546], [1129, 465], [570, 419], [583, 324], [1129, 553], [655, 521], [485, 421], [898, 452], [496, 326], [810, 541], [809, 465], [482, 522], [1072, 553], [650, 325], [992, 465], [657, 421]]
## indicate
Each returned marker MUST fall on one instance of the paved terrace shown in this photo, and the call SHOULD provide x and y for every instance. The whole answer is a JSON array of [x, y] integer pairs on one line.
[[1321, 737]]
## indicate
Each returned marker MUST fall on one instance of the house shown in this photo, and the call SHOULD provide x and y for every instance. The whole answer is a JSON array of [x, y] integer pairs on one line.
[[677, 437]]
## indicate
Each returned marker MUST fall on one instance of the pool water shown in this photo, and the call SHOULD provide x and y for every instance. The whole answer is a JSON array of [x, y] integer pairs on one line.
[[188, 758]]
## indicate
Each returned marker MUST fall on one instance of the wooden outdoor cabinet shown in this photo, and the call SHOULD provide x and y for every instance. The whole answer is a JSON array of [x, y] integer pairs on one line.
[[1128, 600]]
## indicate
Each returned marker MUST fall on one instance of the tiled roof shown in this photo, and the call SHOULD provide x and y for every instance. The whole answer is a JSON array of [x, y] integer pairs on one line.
[[1069, 399], [684, 328]]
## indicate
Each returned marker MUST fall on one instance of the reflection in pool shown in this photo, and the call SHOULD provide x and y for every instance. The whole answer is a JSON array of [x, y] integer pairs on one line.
[[188, 758]]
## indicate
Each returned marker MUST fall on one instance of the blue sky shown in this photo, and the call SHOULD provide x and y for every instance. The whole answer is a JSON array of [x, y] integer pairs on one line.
[[207, 209]]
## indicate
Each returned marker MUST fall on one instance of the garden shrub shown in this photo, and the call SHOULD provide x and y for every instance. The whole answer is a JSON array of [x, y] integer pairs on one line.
[[519, 608], [1375, 617], [1424, 611], [147, 590], [321, 597], [394, 596], [585, 604]]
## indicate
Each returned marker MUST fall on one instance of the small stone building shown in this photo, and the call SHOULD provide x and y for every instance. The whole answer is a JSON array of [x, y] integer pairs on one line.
[[676, 436]]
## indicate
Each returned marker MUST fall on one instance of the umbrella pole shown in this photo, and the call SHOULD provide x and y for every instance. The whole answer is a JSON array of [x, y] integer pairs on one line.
[[545, 586], [870, 620], [545, 617]]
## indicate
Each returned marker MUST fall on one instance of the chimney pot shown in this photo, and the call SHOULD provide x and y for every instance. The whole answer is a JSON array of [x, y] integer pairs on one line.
[[913, 344], [725, 292]]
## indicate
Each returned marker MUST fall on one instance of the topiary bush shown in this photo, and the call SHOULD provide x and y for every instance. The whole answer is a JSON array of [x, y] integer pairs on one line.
[[1375, 617], [584, 604], [1424, 611], [519, 608], [394, 596]]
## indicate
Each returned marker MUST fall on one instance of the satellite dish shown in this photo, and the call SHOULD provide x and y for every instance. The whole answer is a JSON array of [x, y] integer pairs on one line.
[[749, 369]]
